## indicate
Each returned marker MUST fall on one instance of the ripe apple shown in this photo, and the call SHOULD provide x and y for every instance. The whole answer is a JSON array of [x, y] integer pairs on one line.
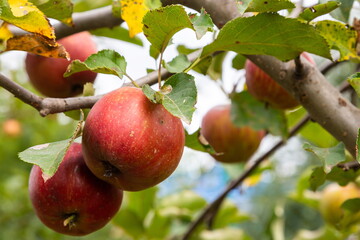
[[131, 142], [333, 196], [46, 74], [73, 201], [264, 88], [12, 128], [233, 144]]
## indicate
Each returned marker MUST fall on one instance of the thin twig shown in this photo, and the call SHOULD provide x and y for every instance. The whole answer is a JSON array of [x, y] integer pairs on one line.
[[234, 184]]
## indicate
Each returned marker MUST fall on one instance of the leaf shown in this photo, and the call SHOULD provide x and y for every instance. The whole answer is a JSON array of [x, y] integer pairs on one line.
[[229, 214], [329, 156], [47, 156], [151, 4], [341, 176], [60, 10], [202, 23], [185, 199], [119, 33], [238, 62], [5, 34], [243, 5], [215, 69], [358, 146], [141, 202], [247, 111], [162, 23], [37, 44], [128, 221], [313, 12], [317, 178], [157, 225], [178, 64], [196, 142], [354, 81], [228, 233], [24, 14], [343, 12], [339, 37], [132, 12], [181, 101], [264, 34], [352, 205], [104, 61], [269, 5]]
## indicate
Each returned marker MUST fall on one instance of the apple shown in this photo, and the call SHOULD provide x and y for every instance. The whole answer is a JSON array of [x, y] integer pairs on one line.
[[233, 144], [73, 201], [46, 74], [12, 128], [264, 88], [131, 142], [332, 197]]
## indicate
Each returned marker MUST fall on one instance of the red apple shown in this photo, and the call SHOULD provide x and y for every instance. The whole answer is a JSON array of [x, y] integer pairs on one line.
[[131, 142], [264, 88], [233, 144], [46, 74], [73, 201]]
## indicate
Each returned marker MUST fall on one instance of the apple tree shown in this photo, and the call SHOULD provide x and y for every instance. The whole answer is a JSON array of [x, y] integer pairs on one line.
[[278, 142]]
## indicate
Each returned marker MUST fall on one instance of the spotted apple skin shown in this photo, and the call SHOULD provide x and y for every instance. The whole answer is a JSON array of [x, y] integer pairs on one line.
[[73, 194], [233, 144], [131, 142]]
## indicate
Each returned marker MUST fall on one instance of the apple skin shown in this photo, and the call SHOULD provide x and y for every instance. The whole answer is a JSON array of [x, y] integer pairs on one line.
[[333, 196], [46, 74], [131, 142], [264, 88], [233, 144], [73, 190]]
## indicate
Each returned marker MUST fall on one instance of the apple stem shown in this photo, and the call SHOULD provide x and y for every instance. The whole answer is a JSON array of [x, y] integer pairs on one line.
[[159, 69], [132, 80], [70, 221]]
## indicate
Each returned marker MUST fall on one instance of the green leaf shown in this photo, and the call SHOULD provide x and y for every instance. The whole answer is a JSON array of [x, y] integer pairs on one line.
[[47, 156], [343, 12], [228, 214], [202, 23], [157, 226], [238, 61], [318, 10], [341, 176], [60, 10], [358, 146], [104, 61], [215, 69], [119, 33], [329, 156], [354, 81], [182, 99], [204, 65], [162, 23], [149, 93], [247, 111], [151, 4], [264, 34], [352, 205], [130, 222], [185, 199], [196, 142], [339, 37], [185, 50], [140, 202], [227, 233], [178, 64], [243, 5], [269, 5], [317, 178]]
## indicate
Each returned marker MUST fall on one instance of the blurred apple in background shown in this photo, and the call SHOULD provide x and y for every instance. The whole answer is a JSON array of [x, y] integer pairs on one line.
[[233, 144], [12, 128]]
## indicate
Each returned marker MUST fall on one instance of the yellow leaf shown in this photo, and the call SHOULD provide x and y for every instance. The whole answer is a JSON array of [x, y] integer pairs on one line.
[[38, 45], [27, 16], [132, 12], [5, 34]]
